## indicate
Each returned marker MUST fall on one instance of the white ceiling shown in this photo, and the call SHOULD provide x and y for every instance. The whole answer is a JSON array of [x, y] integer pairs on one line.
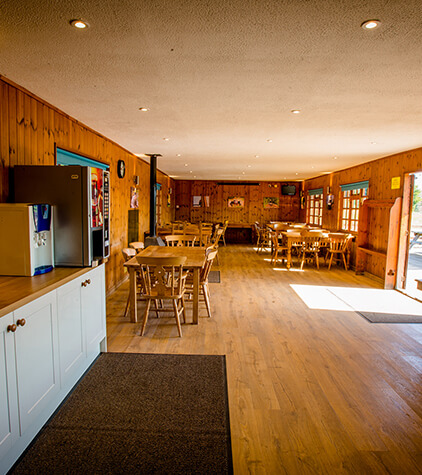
[[221, 77]]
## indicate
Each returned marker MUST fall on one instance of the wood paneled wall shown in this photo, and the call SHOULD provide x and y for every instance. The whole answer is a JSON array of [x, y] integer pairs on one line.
[[29, 128], [219, 194], [379, 173]]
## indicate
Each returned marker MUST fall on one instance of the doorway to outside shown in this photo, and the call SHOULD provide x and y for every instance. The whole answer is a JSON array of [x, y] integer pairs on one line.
[[414, 260]]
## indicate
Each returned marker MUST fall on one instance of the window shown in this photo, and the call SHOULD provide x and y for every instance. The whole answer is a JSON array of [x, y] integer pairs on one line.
[[353, 195], [314, 206]]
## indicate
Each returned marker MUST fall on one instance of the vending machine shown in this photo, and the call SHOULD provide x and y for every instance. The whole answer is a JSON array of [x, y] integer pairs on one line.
[[80, 197]]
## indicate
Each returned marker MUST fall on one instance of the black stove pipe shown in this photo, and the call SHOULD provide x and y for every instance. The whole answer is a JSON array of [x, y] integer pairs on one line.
[[153, 196], [152, 239]]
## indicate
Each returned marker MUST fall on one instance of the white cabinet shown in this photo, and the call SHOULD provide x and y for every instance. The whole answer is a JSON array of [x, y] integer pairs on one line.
[[37, 360], [45, 347], [8, 388], [71, 332], [81, 323], [93, 308]]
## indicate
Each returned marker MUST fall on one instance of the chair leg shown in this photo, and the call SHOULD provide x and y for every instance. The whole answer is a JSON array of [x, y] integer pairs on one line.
[[206, 292], [183, 309], [344, 259], [147, 306], [127, 306], [317, 260], [331, 260], [176, 314]]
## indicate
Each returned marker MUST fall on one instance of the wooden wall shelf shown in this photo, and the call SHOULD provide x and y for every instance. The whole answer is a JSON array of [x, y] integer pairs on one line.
[[378, 237]]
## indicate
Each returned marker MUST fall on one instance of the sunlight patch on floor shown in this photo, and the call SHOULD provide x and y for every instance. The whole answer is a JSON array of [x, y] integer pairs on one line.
[[357, 299]]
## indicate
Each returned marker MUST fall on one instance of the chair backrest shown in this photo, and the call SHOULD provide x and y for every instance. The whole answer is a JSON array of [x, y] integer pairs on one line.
[[217, 237], [180, 239], [128, 253], [339, 241], [311, 242], [162, 276], [210, 255]]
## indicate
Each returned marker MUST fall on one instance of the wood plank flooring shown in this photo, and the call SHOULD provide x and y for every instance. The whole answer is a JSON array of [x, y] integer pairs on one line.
[[311, 391]]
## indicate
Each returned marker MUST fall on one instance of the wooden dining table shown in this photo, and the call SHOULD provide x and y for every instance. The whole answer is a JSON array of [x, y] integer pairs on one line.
[[295, 236], [195, 259]]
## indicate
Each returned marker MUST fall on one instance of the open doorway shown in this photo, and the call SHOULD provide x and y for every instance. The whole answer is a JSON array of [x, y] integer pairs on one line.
[[413, 269]]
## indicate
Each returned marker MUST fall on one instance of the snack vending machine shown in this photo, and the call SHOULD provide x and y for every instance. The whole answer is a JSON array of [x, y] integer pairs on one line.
[[80, 199]]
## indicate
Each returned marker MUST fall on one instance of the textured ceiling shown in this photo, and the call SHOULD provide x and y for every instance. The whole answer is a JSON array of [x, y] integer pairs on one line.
[[221, 77]]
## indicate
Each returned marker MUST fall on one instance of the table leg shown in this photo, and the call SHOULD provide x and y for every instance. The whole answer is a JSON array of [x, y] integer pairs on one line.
[[195, 304], [133, 311], [289, 255]]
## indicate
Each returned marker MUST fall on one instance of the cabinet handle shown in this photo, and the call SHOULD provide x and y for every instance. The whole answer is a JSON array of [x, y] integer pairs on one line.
[[21, 322], [83, 284], [12, 328], [88, 281]]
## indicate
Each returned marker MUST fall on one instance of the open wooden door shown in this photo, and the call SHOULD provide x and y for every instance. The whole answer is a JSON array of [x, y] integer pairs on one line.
[[408, 186]]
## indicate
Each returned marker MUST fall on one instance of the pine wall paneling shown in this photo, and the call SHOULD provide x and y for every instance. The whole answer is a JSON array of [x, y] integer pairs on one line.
[[29, 130], [218, 211]]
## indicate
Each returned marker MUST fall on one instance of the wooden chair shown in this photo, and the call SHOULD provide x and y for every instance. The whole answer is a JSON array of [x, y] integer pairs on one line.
[[128, 253], [163, 279], [137, 245], [210, 255], [277, 247], [310, 247], [264, 239], [180, 240], [338, 248], [225, 225]]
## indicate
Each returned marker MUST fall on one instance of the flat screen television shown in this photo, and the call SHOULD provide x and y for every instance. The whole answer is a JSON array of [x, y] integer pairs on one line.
[[289, 190]]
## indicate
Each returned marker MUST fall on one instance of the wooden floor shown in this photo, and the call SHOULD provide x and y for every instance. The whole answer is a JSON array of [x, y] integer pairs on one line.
[[310, 390]]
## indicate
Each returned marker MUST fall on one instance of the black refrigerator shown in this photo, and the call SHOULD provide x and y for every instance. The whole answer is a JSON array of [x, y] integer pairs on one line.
[[80, 196]]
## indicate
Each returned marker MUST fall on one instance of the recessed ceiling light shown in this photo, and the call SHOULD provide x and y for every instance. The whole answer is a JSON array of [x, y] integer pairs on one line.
[[295, 111], [79, 24], [335, 158], [269, 140], [370, 24], [256, 156], [178, 155], [194, 176], [144, 109], [249, 166], [190, 171], [373, 143], [243, 173], [186, 164], [166, 139]]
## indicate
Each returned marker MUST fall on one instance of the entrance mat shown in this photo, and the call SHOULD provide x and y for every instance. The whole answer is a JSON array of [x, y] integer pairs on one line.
[[375, 317], [139, 413], [214, 277]]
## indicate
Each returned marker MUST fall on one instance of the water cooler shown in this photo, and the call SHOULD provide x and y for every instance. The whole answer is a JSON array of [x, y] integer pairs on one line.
[[26, 239]]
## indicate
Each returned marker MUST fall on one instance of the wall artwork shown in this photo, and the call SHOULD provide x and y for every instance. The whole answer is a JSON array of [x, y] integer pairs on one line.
[[236, 202], [197, 202], [271, 202], [134, 197]]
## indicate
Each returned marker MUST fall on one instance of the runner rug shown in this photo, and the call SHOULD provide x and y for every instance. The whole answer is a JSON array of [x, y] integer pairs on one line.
[[139, 413]]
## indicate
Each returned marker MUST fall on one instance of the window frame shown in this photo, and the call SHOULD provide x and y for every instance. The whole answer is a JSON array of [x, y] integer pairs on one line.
[[314, 206], [352, 197]]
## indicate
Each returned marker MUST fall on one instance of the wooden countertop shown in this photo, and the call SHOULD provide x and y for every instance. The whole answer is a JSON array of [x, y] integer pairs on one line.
[[18, 291]]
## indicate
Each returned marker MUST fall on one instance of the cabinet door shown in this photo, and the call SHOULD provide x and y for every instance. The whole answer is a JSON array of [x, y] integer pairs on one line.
[[93, 308], [37, 360], [8, 391], [70, 331]]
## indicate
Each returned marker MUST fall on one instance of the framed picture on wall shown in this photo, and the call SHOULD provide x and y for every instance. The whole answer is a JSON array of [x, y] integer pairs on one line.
[[197, 202], [236, 202], [271, 202]]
